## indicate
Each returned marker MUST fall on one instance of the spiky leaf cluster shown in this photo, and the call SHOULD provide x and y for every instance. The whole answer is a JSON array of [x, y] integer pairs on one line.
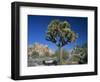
[[60, 33]]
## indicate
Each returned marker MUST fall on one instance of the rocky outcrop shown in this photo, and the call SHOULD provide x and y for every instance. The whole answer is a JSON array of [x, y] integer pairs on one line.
[[41, 49]]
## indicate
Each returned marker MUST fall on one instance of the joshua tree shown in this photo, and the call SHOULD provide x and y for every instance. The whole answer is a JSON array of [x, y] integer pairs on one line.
[[60, 33]]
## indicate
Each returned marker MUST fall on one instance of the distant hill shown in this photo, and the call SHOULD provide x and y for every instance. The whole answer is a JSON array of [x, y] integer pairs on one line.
[[42, 50]]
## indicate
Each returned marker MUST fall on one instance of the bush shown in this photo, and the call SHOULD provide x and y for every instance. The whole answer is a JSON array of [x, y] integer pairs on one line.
[[35, 54]]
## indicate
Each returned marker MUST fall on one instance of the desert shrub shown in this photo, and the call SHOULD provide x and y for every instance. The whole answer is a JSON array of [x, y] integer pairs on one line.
[[82, 51], [35, 54], [76, 58]]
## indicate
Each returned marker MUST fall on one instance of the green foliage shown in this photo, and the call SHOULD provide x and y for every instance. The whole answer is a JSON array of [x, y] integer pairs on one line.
[[82, 51], [35, 54], [60, 33], [76, 58], [63, 62], [84, 54]]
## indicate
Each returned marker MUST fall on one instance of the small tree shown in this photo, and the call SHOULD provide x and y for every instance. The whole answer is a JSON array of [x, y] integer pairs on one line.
[[60, 33]]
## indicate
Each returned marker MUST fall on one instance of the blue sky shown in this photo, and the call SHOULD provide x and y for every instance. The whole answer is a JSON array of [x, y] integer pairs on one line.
[[37, 27]]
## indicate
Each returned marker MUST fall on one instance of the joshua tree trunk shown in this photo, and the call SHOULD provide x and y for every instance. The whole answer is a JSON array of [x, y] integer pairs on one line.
[[60, 55]]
